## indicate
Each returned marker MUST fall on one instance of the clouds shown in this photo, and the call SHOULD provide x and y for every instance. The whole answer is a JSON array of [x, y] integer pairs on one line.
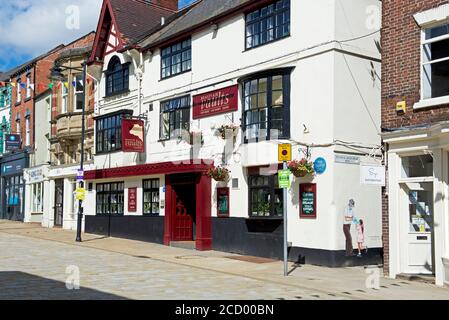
[[29, 28]]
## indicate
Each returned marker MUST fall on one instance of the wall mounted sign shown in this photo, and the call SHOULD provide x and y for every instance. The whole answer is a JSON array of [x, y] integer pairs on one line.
[[216, 102], [13, 142], [372, 175], [284, 179], [339, 158], [36, 175], [132, 199], [223, 202], [320, 165], [80, 194], [14, 167], [285, 152], [307, 200], [133, 135]]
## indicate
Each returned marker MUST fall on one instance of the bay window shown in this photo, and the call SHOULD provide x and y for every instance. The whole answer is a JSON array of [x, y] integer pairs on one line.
[[174, 117], [108, 132], [268, 24], [435, 62], [267, 107], [78, 92], [64, 97]]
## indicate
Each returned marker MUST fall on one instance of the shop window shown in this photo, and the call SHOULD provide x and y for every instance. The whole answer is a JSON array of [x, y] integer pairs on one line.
[[265, 197], [417, 166], [435, 62], [109, 133], [175, 117], [151, 197], [117, 77], [110, 198], [268, 24], [223, 202], [176, 59], [267, 107], [37, 196]]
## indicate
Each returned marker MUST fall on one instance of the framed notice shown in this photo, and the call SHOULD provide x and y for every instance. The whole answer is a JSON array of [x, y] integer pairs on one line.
[[223, 202], [307, 201], [132, 199]]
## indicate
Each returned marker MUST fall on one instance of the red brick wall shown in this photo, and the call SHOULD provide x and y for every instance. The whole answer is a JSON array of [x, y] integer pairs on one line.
[[401, 72]]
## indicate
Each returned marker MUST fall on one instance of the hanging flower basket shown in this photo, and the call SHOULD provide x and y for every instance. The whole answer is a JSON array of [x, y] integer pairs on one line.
[[219, 174], [301, 168], [228, 129]]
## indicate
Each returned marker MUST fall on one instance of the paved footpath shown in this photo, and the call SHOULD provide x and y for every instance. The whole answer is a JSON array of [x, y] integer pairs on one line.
[[34, 262]]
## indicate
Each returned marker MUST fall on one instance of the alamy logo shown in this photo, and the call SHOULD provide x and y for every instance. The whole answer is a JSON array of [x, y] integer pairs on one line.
[[72, 21]]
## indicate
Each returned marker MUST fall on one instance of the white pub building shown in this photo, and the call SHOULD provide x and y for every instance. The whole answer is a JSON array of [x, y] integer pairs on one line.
[[191, 108]]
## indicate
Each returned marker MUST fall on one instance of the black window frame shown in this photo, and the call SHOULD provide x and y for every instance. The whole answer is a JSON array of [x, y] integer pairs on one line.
[[259, 19], [151, 189], [176, 116], [169, 52], [105, 124], [285, 73], [272, 186], [117, 77], [119, 193]]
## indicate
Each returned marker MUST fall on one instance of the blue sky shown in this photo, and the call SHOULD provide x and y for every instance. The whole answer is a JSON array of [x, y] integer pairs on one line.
[[29, 28]]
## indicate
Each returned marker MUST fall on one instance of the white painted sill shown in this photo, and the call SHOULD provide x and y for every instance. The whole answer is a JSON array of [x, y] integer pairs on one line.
[[427, 103]]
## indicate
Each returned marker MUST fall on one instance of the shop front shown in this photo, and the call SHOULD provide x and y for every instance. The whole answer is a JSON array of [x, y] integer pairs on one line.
[[13, 186], [162, 203], [418, 187], [36, 187]]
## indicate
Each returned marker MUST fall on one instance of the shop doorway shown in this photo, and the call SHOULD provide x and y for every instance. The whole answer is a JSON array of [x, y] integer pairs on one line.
[[59, 203], [417, 227], [184, 215]]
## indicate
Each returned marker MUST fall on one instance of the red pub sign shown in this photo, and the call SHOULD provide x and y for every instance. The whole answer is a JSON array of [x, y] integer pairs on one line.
[[132, 199], [133, 132], [216, 102]]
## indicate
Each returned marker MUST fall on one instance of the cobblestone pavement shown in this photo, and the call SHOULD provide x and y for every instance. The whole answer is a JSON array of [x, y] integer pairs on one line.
[[36, 269], [34, 261]]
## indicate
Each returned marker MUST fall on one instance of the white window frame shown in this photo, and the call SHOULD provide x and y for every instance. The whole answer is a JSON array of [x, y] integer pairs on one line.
[[27, 131], [75, 92], [18, 93], [28, 86], [64, 98], [36, 206]]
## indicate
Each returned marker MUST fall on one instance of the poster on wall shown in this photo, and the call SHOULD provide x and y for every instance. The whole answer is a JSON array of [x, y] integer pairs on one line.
[[133, 133], [307, 200], [223, 202], [215, 102], [132, 199]]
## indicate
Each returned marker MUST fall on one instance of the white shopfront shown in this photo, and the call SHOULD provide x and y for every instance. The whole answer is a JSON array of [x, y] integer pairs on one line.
[[418, 206], [36, 180]]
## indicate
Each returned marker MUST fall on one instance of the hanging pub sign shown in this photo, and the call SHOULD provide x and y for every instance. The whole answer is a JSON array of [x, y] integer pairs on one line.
[[12, 142], [132, 199], [216, 102], [307, 200], [133, 132]]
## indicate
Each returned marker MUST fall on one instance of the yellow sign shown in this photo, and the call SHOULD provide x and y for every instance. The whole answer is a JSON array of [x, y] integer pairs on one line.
[[285, 152], [80, 194]]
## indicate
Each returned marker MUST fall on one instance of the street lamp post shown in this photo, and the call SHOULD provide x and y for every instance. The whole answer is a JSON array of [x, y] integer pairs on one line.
[[56, 74]]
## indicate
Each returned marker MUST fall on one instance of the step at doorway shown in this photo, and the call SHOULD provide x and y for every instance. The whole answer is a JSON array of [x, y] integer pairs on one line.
[[183, 244]]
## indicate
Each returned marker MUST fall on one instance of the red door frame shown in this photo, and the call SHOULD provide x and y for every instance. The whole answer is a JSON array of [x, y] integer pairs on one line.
[[203, 212]]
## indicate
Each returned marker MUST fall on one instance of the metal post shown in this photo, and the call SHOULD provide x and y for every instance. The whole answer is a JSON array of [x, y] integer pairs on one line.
[[285, 227], [83, 129]]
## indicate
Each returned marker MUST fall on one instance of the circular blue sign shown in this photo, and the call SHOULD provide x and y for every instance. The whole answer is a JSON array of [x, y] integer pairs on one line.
[[320, 165]]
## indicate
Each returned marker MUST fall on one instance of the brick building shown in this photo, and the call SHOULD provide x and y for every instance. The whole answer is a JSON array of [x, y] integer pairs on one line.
[[415, 126]]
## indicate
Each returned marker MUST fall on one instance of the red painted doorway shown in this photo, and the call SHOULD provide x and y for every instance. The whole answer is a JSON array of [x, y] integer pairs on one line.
[[184, 215]]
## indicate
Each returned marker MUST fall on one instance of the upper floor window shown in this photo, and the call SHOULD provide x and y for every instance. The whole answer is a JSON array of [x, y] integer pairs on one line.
[[175, 117], [109, 133], [28, 88], [268, 24], [176, 59], [117, 77], [18, 92], [3, 97], [435, 68], [78, 92], [64, 97], [267, 107]]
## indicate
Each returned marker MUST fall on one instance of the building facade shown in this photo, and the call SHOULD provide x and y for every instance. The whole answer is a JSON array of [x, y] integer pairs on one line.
[[415, 114], [216, 86]]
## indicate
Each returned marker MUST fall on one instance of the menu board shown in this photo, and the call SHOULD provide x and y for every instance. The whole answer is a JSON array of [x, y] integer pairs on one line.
[[223, 202], [307, 196]]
